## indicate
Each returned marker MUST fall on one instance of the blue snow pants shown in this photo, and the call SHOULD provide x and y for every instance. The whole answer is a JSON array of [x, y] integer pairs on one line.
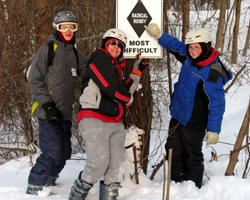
[[55, 144]]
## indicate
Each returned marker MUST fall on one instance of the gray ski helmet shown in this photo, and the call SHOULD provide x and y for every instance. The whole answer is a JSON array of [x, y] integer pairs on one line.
[[63, 16]]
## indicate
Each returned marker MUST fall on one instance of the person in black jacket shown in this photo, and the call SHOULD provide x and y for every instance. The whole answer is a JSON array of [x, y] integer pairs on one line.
[[105, 95], [198, 102], [53, 89]]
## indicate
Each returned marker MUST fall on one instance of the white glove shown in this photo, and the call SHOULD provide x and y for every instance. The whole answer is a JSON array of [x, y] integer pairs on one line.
[[153, 30], [211, 137]]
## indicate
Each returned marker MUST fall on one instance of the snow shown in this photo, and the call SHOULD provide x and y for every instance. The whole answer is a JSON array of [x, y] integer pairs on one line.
[[14, 174]]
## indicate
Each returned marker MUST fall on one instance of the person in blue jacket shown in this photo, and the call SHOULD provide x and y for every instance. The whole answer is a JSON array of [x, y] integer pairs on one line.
[[198, 102]]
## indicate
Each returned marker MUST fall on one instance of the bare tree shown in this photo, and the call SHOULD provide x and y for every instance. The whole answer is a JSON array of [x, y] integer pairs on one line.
[[15, 102], [236, 31], [140, 112], [185, 18], [217, 4], [166, 6], [220, 30], [238, 144], [247, 41]]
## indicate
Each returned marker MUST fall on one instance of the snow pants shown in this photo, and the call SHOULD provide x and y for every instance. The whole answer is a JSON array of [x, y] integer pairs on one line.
[[55, 144], [106, 155], [187, 157]]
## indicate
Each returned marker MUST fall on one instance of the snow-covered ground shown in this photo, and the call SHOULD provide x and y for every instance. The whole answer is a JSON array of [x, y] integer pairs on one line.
[[14, 174]]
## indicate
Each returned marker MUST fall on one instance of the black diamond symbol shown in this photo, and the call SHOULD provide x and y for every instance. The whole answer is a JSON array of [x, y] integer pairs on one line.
[[139, 17]]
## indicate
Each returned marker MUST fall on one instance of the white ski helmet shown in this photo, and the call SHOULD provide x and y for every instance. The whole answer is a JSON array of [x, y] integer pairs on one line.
[[197, 35], [116, 33]]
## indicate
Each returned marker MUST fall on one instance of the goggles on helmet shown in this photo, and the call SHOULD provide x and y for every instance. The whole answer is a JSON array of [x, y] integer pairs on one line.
[[65, 26]]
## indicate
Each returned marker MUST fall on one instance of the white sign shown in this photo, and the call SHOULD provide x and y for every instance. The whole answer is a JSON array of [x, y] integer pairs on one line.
[[131, 16]]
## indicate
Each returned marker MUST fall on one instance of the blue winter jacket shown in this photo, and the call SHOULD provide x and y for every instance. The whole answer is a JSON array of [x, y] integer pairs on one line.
[[198, 100]]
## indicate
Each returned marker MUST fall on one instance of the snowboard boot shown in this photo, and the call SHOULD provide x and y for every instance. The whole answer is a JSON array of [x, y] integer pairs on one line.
[[52, 180], [33, 189], [80, 189], [108, 192]]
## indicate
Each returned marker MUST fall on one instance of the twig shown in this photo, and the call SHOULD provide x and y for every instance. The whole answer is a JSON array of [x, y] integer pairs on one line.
[[135, 162], [225, 143], [158, 166], [169, 173], [161, 163], [164, 176], [205, 172]]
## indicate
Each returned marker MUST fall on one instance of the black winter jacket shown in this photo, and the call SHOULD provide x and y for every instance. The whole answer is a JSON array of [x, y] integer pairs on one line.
[[103, 88]]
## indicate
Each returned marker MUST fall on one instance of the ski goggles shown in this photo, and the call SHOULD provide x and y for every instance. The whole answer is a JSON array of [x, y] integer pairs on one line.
[[65, 26]]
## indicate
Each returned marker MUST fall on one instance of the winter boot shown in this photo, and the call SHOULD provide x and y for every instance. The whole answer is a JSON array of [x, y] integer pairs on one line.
[[108, 192], [80, 189], [52, 180], [33, 189]]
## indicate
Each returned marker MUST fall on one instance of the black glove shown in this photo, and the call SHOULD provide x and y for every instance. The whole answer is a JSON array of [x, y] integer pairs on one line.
[[140, 65], [53, 115]]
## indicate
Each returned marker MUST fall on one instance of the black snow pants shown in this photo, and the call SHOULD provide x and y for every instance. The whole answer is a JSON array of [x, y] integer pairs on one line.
[[55, 144], [187, 156]]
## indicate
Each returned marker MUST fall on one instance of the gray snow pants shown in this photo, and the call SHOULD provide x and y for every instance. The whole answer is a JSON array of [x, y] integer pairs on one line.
[[106, 155]]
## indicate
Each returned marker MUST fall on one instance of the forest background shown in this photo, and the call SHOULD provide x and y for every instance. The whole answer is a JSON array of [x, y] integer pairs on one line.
[[26, 24]]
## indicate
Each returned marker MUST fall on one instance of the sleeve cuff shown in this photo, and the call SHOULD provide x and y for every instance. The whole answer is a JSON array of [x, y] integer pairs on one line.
[[137, 72]]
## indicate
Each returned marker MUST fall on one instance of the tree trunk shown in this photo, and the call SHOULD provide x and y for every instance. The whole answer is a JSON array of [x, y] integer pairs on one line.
[[176, 4], [185, 18], [220, 29], [247, 41], [166, 5], [236, 31], [42, 21], [140, 112], [235, 153], [217, 4]]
